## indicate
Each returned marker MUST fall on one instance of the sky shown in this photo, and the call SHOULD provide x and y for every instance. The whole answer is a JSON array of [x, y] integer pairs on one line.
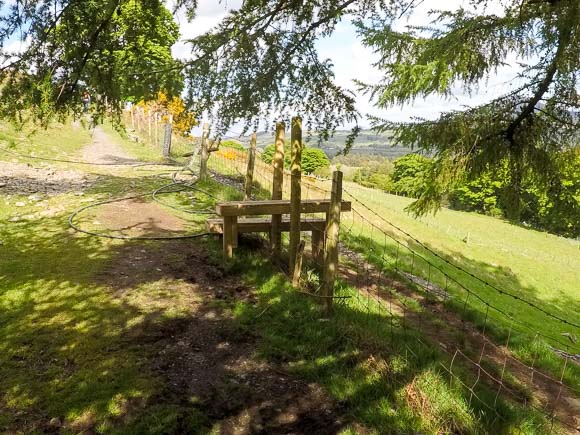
[[352, 60]]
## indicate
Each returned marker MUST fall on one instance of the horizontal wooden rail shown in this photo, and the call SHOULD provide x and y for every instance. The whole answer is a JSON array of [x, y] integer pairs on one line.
[[278, 206], [264, 225]]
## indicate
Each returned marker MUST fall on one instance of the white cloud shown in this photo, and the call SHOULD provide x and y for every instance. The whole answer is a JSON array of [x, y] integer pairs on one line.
[[208, 15]]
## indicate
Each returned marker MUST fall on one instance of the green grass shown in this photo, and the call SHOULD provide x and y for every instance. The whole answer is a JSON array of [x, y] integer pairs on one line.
[[179, 145], [385, 378], [139, 150], [76, 349], [60, 141], [534, 266], [70, 348]]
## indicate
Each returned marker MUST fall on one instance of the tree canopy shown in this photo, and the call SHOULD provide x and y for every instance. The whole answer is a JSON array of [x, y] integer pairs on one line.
[[106, 47], [312, 158], [261, 62]]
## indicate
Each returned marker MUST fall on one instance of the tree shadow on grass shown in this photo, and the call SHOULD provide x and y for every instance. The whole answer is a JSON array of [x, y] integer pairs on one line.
[[467, 319], [136, 338], [389, 378], [155, 338]]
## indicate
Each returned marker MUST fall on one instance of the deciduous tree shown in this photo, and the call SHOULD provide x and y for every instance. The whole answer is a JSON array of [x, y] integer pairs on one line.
[[261, 61]]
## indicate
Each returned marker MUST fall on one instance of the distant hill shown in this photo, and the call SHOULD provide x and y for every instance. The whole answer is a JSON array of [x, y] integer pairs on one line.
[[367, 142]]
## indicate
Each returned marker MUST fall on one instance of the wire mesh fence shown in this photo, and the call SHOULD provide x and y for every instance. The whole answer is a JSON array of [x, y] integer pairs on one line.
[[419, 301], [154, 129]]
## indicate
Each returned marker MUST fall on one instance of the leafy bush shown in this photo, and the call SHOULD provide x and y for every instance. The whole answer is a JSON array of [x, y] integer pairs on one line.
[[481, 195], [234, 144], [409, 174], [312, 158]]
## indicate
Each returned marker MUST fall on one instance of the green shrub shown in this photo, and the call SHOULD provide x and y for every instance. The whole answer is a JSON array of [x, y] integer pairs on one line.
[[312, 158], [231, 143], [409, 174]]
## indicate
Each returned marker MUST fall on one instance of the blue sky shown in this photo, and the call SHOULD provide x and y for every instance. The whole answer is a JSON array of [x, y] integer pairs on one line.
[[352, 60]]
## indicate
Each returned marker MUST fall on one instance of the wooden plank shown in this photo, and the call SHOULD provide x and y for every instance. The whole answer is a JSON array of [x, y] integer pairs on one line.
[[277, 186], [264, 225], [331, 245], [228, 247], [250, 169], [295, 189], [298, 265], [281, 206]]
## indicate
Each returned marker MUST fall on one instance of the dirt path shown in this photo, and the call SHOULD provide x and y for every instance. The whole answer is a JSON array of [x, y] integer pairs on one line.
[[205, 354], [104, 150]]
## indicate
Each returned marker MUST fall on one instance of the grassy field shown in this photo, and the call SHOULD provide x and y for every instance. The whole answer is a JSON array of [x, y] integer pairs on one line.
[[100, 335], [536, 267]]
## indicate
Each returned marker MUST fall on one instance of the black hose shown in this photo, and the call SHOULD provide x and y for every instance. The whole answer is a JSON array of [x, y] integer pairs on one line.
[[110, 236]]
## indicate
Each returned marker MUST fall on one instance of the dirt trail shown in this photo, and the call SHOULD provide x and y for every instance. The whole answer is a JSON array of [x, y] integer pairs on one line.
[[206, 354], [104, 150]]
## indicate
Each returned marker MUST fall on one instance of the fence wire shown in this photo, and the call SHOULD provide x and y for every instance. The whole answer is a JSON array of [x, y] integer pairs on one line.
[[424, 304], [151, 128]]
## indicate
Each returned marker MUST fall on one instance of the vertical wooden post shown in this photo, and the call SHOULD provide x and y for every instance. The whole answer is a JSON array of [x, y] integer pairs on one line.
[[132, 117], [250, 170], [204, 153], [167, 140], [295, 187], [277, 184], [318, 247], [156, 130], [228, 239], [298, 265], [331, 245], [149, 125]]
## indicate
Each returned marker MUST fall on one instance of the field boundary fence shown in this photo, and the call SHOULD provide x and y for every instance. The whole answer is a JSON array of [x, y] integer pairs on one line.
[[415, 290], [155, 129]]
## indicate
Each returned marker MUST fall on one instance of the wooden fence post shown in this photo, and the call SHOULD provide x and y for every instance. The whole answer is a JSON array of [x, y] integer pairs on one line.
[[204, 152], [298, 265], [167, 140], [156, 130], [331, 245], [250, 170], [295, 186], [277, 185], [149, 125]]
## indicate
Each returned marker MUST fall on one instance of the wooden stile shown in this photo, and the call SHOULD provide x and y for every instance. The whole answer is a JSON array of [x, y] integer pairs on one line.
[[274, 207]]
